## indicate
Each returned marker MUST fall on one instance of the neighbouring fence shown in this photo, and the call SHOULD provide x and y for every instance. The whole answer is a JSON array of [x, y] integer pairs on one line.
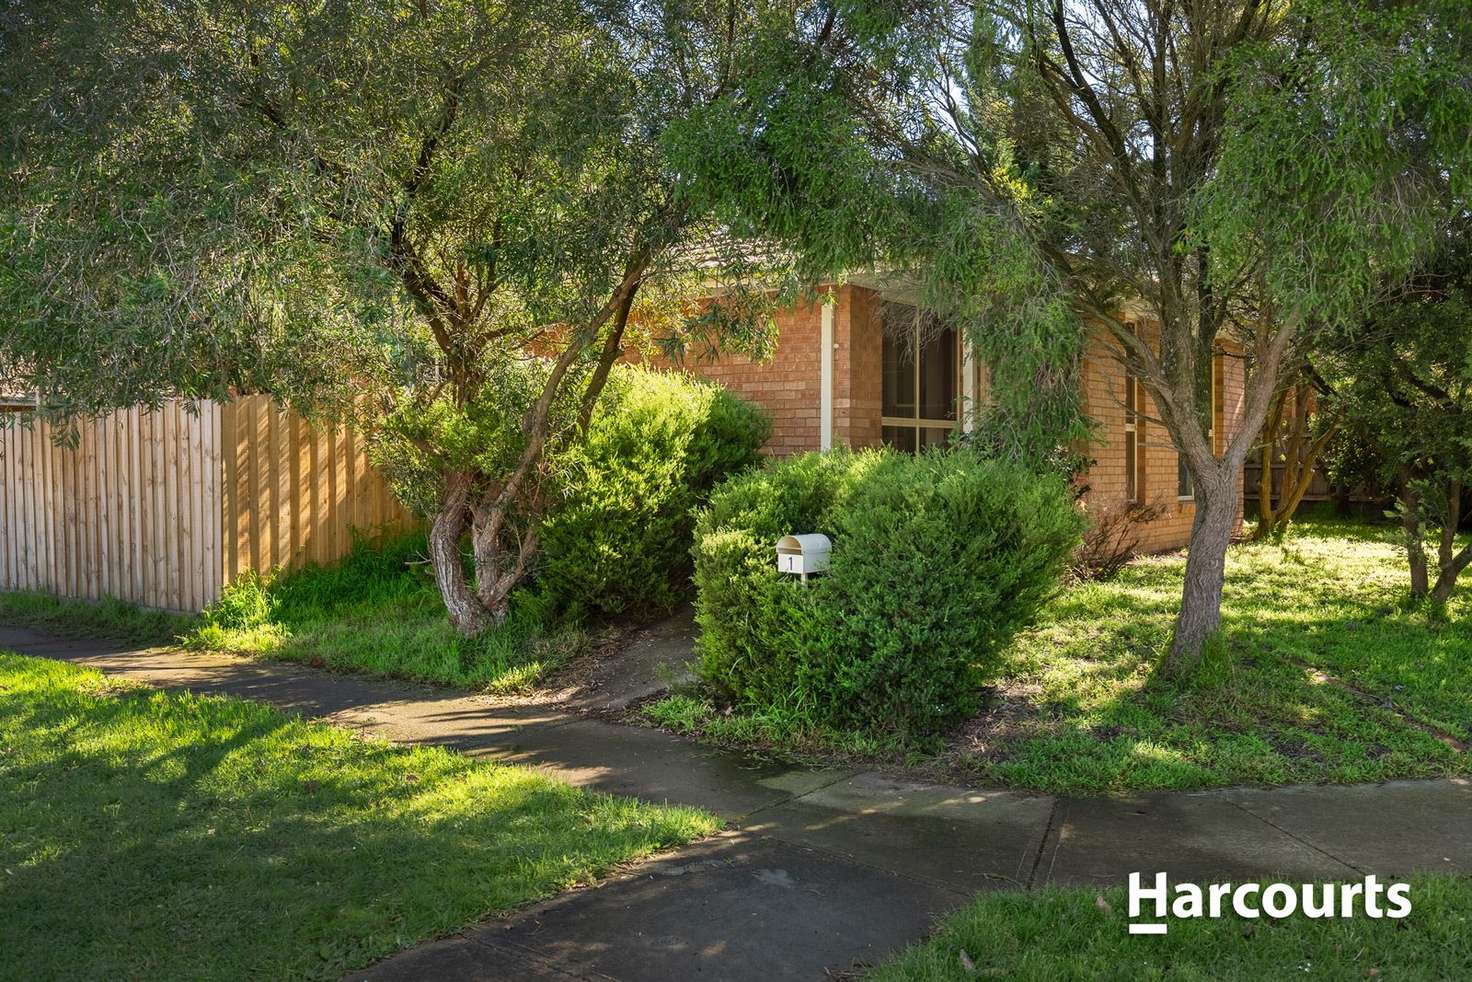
[[293, 493], [167, 507]]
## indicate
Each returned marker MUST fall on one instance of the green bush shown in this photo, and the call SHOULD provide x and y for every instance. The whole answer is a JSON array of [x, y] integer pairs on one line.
[[620, 538], [937, 561]]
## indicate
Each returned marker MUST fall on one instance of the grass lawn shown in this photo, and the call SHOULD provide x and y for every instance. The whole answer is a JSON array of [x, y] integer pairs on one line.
[[1078, 711], [79, 618], [163, 835], [1067, 934], [377, 611]]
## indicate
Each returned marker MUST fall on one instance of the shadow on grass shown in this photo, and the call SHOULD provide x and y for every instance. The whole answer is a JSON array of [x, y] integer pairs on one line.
[[1260, 708], [164, 835], [378, 611]]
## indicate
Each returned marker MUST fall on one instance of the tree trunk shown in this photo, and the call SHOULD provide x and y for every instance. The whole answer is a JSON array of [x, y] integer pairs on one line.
[[1447, 545], [496, 575], [1451, 563], [1300, 461], [1201, 595], [466, 612], [1265, 513], [1415, 549]]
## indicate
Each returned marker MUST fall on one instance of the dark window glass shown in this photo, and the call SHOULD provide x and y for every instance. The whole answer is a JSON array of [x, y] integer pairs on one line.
[[1131, 468], [938, 375], [1131, 439], [1184, 487], [899, 437], [898, 395], [919, 380], [934, 436]]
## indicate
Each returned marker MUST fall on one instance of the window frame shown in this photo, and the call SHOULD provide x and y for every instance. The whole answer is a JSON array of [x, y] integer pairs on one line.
[[1134, 456]]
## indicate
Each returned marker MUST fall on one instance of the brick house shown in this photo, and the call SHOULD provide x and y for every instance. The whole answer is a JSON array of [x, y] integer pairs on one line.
[[859, 372]]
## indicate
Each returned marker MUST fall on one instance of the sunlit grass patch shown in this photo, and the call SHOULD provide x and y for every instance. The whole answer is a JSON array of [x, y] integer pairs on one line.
[[378, 612], [1081, 934], [160, 835], [1268, 706]]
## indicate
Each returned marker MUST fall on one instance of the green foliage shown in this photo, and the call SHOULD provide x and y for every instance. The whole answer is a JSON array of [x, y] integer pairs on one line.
[[1081, 709], [417, 443], [373, 212], [1402, 378], [1345, 142], [803, 162], [619, 537], [937, 560], [378, 611], [165, 835], [243, 605]]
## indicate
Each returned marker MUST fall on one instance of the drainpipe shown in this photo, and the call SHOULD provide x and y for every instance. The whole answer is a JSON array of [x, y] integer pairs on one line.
[[825, 398]]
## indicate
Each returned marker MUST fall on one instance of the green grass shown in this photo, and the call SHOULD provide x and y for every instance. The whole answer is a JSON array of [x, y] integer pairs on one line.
[[693, 714], [1080, 711], [1060, 935], [378, 611], [109, 618], [164, 835]]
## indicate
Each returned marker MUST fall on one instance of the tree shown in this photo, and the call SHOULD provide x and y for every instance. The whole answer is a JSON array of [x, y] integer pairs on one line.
[[1300, 422], [1236, 166], [1405, 380], [437, 220]]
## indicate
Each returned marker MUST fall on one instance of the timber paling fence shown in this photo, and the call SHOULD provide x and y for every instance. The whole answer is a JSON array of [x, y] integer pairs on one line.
[[166, 507]]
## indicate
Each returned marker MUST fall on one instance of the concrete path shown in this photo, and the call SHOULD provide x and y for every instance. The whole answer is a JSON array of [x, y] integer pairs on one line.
[[821, 870]]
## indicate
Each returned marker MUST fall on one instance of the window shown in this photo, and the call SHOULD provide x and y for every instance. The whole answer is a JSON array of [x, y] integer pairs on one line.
[[1185, 486], [1133, 458], [921, 363]]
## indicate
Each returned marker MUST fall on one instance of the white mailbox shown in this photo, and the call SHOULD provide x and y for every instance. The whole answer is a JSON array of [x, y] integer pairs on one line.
[[803, 554]]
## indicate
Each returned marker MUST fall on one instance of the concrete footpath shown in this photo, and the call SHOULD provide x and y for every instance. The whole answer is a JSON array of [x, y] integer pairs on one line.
[[822, 870]]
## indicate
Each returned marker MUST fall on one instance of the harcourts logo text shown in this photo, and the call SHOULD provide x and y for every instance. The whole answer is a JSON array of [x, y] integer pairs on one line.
[[1152, 905]]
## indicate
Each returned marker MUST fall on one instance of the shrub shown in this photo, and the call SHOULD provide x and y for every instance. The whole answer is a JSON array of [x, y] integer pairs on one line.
[[620, 538], [1111, 540], [937, 561]]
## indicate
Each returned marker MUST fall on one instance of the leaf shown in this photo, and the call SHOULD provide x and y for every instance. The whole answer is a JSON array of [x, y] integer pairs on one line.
[[967, 965], [1103, 904]]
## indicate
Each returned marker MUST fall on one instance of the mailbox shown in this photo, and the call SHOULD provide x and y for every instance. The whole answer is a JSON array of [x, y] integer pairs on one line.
[[803, 554]]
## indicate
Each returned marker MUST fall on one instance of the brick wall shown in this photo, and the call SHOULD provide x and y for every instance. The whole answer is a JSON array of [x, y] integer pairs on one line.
[[1104, 382], [789, 388]]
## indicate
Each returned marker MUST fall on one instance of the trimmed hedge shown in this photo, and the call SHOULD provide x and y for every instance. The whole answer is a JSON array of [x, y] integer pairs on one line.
[[937, 561], [620, 539]]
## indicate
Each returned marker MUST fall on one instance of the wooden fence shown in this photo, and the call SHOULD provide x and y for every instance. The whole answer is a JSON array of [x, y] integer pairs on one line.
[[165, 508], [131, 510], [294, 494]]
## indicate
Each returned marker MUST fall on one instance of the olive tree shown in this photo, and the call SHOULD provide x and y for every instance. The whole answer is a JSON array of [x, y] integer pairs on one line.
[[437, 220]]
